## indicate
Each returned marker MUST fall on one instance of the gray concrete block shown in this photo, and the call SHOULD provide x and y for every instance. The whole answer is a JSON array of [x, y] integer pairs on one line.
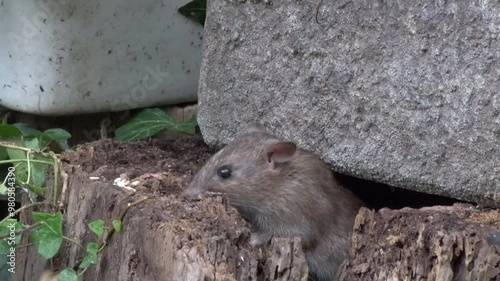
[[402, 92]]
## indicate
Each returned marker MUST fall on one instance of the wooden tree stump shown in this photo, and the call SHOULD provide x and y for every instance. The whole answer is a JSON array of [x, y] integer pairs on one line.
[[165, 237], [168, 238], [456, 243]]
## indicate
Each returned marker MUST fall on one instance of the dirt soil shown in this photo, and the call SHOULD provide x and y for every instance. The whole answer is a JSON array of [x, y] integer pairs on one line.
[[163, 167]]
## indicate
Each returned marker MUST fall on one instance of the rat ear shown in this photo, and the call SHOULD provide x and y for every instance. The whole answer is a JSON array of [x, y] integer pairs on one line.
[[253, 127], [281, 152]]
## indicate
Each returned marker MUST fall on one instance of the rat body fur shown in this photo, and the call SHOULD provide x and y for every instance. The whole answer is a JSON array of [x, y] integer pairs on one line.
[[283, 191]]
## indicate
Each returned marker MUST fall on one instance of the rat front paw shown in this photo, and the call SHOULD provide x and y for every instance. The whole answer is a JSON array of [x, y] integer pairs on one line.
[[259, 240]]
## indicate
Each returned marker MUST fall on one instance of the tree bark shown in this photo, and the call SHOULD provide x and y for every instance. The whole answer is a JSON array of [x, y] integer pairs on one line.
[[456, 243]]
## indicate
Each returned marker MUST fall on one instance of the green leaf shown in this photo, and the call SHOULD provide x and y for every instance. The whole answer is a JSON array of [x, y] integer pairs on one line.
[[47, 237], [68, 274], [26, 130], [59, 136], [3, 189], [21, 167], [38, 173], [38, 170], [195, 10], [9, 131], [6, 228], [188, 125], [3, 153], [91, 257], [36, 189], [148, 123], [33, 144], [117, 225], [97, 227]]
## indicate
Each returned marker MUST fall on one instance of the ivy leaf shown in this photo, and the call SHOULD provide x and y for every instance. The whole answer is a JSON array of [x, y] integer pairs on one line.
[[27, 131], [33, 144], [3, 153], [3, 189], [195, 10], [9, 131], [68, 274], [188, 125], [59, 136], [21, 167], [47, 237], [91, 257], [37, 170], [149, 122], [117, 225], [6, 228], [97, 227], [35, 189]]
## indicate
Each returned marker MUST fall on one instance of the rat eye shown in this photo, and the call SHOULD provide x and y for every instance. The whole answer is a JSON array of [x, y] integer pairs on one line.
[[224, 172]]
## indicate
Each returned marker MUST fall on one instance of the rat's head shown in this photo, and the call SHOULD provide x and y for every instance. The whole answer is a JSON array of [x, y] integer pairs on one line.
[[248, 167]]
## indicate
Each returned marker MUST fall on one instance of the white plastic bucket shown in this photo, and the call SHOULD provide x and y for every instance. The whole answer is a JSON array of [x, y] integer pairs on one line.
[[70, 57]]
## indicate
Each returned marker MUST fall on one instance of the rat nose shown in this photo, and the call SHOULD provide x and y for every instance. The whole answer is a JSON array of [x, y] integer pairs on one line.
[[190, 194], [187, 195]]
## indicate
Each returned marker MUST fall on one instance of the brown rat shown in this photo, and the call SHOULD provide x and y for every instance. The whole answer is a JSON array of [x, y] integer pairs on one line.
[[283, 191]]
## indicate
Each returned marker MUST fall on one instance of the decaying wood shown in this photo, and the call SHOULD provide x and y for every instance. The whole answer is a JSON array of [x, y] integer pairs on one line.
[[456, 243], [164, 238], [286, 261], [168, 238]]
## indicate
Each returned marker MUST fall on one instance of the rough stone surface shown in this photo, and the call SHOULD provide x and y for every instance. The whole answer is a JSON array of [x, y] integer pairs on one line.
[[402, 92]]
